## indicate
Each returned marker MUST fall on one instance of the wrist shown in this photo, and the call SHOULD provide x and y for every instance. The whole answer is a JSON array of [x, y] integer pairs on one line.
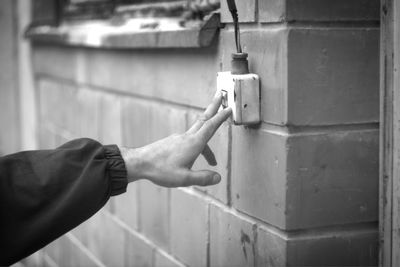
[[133, 163]]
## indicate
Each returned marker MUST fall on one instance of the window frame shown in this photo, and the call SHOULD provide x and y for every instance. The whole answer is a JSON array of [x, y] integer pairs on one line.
[[196, 24]]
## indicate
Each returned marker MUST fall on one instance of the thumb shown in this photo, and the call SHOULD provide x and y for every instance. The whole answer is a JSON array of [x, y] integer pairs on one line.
[[201, 178]]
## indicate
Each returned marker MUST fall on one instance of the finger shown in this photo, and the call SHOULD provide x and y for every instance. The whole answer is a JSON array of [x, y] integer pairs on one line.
[[201, 178], [210, 111], [209, 156], [209, 128]]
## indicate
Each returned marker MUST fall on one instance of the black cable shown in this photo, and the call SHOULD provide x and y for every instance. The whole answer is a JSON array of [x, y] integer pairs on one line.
[[235, 17]]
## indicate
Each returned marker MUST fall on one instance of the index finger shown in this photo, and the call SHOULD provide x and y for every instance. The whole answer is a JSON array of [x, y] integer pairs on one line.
[[210, 127], [208, 113]]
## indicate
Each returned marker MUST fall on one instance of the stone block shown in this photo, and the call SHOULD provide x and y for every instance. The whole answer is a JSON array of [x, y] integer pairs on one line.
[[189, 218], [186, 77], [313, 76], [89, 119], [57, 104], [271, 249], [259, 174], [306, 180], [144, 122], [232, 239], [331, 248], [110, 129], [135, 122], [58, 62], [318, 10], [67, 251], [165, 120], [180, 76], [154, 213], [125, 206], [267, 49], [332, 178], [165, 260], [333, 76], [137, 252], [246, 11], [105, 239]]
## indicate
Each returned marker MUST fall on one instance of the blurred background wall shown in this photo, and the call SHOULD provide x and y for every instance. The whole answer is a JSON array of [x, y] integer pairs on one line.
[[302, 189], [17, 101]]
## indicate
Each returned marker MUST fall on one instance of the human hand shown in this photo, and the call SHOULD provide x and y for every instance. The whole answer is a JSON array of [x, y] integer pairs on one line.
[[168, 161]]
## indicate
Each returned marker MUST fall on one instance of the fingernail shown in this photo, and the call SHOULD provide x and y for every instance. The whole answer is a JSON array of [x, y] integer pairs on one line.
[[216, 178]]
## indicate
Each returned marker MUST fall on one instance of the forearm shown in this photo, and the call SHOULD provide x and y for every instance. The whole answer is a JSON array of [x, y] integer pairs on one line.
[[44, 194]]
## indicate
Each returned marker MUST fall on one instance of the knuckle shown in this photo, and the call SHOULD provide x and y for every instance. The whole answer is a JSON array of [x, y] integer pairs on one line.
[[210, 124], [202, 118], [191, 138]]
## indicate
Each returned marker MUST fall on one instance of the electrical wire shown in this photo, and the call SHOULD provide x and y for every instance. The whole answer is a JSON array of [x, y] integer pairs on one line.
[[235, 17]]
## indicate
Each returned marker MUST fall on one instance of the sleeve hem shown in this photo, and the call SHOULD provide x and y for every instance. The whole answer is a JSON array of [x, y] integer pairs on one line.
[[116, 169]]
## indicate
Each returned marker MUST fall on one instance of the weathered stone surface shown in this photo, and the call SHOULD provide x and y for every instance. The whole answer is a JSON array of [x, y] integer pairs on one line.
[[189, 228], [232, 240], [306, 180], [246, 11], [318, 10]]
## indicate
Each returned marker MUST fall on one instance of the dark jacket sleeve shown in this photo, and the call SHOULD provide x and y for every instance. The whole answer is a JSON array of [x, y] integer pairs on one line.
[[46, 193]]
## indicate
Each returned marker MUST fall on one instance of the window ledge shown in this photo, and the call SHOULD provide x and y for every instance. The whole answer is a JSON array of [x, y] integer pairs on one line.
[[134, 33]]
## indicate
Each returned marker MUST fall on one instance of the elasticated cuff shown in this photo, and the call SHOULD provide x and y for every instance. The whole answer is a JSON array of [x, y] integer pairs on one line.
[[116, 169]]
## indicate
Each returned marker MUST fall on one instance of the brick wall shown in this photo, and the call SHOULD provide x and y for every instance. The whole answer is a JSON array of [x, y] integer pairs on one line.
[[300, 190]]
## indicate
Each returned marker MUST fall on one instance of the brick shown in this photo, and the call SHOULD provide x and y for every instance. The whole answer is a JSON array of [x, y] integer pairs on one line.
[[125, 206], [135, 122], [272, 11], [110, 130], [165, 260], [312, 76], [232, 239], [58, 251], [336, 248], [165, 120], [145, 122], [271, 248], [154, 213], [162, 74], [58, 105], [246, 11], [89, 116], [189, 216], [47, 262], [137, 252], [98, 233], [219, 144], [67, 251], [318, 10], [306, 180], [348, 250], [59, 62], [267, 50], [127, 249], [258, 174], [332, 178], [333, 76]]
